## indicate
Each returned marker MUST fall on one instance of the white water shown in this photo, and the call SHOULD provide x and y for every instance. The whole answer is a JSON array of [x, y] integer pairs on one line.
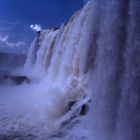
[[116, 70], [56, 65], [95, 55]]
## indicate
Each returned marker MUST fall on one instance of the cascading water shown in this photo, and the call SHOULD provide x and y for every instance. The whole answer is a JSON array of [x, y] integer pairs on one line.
[[56, 66], [62, 53], [92, 58], [115, 111]]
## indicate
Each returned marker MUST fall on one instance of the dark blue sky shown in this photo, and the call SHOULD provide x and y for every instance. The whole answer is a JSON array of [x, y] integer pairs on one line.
[[17, 15]]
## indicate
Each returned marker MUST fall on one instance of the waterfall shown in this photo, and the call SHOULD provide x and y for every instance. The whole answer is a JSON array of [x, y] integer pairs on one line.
[[62, 53], [101, 43], [56, 95], [115, 89], [87, 75]]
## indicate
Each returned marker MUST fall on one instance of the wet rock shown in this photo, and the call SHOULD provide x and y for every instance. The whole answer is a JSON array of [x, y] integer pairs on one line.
[[71, 104], [16, 79], [38, 33], [84, 109], [19, 79], [58, 135], [55, 28]]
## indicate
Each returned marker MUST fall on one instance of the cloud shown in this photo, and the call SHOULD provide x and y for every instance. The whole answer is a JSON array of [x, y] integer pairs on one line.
[[4, 40], [17, 44], [36, 27]]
